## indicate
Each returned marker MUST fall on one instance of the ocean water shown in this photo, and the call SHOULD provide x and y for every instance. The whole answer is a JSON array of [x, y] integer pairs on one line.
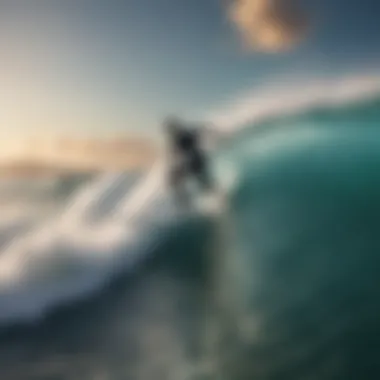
[[114, 282]]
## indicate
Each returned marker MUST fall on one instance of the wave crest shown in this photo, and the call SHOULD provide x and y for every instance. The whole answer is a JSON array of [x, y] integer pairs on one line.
[[289, 97]]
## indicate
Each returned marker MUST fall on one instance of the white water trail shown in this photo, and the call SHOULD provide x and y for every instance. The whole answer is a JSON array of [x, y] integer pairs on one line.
[[108, 229]]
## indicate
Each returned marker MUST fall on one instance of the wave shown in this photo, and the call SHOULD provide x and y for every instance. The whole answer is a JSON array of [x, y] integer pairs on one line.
[[115, 221]]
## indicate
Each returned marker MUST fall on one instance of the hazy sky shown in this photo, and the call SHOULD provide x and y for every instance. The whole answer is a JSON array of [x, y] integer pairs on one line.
[[92, 66]]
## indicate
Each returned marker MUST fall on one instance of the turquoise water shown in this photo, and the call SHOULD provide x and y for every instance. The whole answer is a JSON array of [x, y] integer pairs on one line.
[[307, 221], [288, 278]]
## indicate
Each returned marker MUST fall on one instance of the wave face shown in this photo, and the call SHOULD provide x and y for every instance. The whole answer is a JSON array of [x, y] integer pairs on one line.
[[305, 270], [298, 274]]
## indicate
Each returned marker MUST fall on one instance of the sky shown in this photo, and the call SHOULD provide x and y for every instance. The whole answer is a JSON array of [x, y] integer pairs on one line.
[[92, 67]]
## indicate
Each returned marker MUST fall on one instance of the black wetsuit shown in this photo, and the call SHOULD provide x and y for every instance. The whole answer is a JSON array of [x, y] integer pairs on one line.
[[187, 145]]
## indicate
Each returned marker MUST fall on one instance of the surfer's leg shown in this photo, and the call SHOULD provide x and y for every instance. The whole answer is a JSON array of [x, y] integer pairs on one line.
[[200, 171]]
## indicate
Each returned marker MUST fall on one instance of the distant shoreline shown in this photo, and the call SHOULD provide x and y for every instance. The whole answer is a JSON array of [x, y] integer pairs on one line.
[[70, 157]]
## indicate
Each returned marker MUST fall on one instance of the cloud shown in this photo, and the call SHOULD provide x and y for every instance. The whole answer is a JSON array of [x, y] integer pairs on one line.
[[268, 25]]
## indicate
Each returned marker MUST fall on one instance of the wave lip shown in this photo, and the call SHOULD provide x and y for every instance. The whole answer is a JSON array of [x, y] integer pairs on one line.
[[294, 96]]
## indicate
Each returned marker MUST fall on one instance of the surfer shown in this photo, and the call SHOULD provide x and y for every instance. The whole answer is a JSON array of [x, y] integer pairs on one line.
[[187, 156]]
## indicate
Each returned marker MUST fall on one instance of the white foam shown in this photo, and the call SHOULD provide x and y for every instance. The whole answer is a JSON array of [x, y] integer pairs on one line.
[[291, 94], [107, 229]]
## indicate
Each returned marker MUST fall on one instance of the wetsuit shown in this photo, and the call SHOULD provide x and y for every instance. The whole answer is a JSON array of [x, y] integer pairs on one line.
[[190, 160]]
